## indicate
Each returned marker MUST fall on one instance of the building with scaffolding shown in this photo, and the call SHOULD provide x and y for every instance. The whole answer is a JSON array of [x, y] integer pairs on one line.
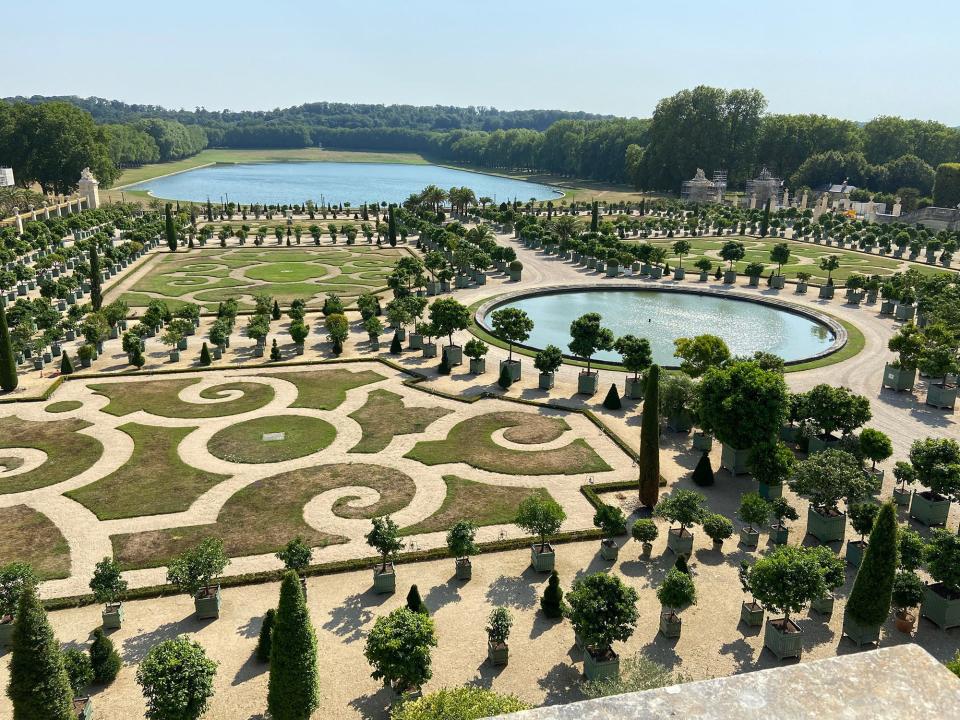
[[701, 190], [762, 188]]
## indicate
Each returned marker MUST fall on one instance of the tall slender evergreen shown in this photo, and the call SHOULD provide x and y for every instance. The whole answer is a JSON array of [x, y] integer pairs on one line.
[[649, 461], [96, 294], [8, 366], [392, 225], [171, 231], [595, 217], [869, 602], [293, 692], [39, 686]]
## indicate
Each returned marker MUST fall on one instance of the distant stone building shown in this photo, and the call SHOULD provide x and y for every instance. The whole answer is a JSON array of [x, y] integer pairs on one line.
[[762, 188], [701, 190], [6, 177]]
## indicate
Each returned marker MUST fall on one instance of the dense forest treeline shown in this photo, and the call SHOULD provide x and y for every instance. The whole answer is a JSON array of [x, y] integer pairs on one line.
[[705, 127]]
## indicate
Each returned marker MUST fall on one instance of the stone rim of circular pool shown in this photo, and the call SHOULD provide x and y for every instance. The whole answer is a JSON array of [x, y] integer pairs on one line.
[[840, 335]]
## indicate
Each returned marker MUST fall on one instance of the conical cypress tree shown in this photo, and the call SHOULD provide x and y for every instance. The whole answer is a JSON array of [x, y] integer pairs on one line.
[[96, 295], [169, 229], [869, 602], [275, 313], [444, 368], [414, 602], [506, 379], [552, 601], [595, 217], [649, 460], [396, 347], [39, 686], [612, 400], [266, 634], [66, 367], [703, 472], [204, 355], [8, 365], [681, 565], [293, 692], [104, 658]]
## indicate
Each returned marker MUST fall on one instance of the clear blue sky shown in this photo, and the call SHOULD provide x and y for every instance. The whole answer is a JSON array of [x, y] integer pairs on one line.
[[852, 60]]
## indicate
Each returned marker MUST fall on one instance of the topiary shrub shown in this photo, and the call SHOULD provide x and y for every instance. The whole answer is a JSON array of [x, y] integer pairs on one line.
[[396, 347], [205, 358], [265, 636], [506, 379], [293, 692], [79, 670], [444, 367], [612, 400], [703, 472], [398, 648], [66, 366], [275, 351], [462, 703], [552, 603], [869, 602], [649, 458], [104, 659], [414, 602], [177, 680]]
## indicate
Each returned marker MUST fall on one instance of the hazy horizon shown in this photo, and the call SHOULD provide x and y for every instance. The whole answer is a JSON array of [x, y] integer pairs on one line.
[[619, 60]]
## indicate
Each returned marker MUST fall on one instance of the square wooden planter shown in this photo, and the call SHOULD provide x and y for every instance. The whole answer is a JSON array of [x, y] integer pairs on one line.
[[498, 653], [681, 422], [770, 492], [454, 355], [940, 607], [823, 606], [542, 560], [601, 669], [729, 277], [633, 389], [826, 528], [733, 460], [855, 551], [826, 292], [609, 550], [112, 616], [478, 366], [587, 383], [860, 634], [818, 444], [429, 350], [901, 497], [207, 603], [464, 569], [513, 367], [702, 442], [545, 381], [749, 537], [670, 624], [899, 378], [384, 581], [942, 396], [777, 282], [416, 341], [82, 708], [680, 541], [905, 312], [929, 509], [780, 534], [783, 638], [751, 614]]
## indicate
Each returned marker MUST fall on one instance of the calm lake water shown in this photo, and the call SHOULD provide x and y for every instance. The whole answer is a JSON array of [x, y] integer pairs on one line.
[[661, 317], [334, 182]]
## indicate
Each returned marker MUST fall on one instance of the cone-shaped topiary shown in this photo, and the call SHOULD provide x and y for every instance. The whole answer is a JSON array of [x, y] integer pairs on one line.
[[96, 295], [506, 379], [275, 350], [552, 601], [703, 472], [681, 564], [444, 368], [396, 347], [66, 367], [415, 603], [8, 365], [77, 664], [869, 602], [205, 355], [265, 636], [275, 312], [293, 692], [169, 229], [612, 400], [104, 659], [39, 686], [649, 460]]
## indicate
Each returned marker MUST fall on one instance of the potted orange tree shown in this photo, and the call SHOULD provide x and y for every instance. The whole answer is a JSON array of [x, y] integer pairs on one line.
[[384, 538], [603, 610], [498, 631], [612, 522], [645, 532], [825, 479], [936, 463], [751, 612], [675, 593], [460, 542], [754, 511], [686, 508], [108, 588], [941, 599], [194, 571], [862, 515], [541, 517]]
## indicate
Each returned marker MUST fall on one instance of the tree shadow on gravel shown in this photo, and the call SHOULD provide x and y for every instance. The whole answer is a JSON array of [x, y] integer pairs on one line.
[[444, 594], [561, 684], [135, 648], [375, 705], [517, 592], [250, 669], [348, 618]]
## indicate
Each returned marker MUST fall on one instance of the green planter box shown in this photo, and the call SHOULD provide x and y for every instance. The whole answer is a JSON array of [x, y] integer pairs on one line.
[[939, 607], [416, 341], [780, 534], [681, 422], [733, 460], [82, 708], [670, 625], [656, 272], [898, 378], [680, 541], [464, 569], [478, 366], [603, 669], [942, 397], [887, 307], [545, 381], [855, 551], [751, 614], [587, 383], [754, 281], [514, 368], [633, 389], [609, 550], [498, 653], [207, 603], [704, 276], [429, 350], [515, 274], [613, 269], [770, 492], [826, 528], [818, 444], [860, 634], [905, 312], [454, 355], [783, 644], [823, 606], [542, 560], [112, 616], [679, 273], [826, 292], [749, 537], [901, 497], [6, 631], [729, 277], [702, 442], [929, 509], [777, 282], [384, 581]]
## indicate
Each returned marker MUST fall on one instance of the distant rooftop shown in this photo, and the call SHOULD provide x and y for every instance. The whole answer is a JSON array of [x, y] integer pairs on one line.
[[891, 683]]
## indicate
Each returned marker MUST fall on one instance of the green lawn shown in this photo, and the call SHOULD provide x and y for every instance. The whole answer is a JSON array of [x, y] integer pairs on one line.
[[384, 416], [245, 442], [264, 516], [326, 389], [470, 442], [476, 502], [63, 406], [30, 537], [153, 481], [69, 452], [160, 397]]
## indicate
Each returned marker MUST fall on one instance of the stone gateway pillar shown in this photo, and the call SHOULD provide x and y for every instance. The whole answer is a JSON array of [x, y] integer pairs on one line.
[[88, 188]]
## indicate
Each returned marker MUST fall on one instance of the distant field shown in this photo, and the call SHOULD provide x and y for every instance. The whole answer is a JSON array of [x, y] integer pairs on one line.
[[207, 157]]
